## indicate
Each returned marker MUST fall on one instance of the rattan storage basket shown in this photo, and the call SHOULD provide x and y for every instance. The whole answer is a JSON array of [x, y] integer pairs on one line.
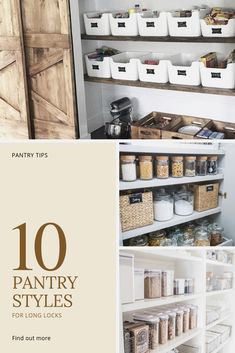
[[206, 196], [136, 210]]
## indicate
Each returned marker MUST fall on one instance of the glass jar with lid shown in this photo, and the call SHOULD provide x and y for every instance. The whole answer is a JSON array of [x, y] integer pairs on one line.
[[153, 322], [157, 238], [141, 240], [212, 168], [190, 166], [146, 167], [186, 316], [171, 324], [179, 322], [201, 165], [216, 235], [162, 167], [128, 168], [201, 235], [163, 206], [184, 202], [177, 167], [163, 328], [152, 284], [193, 316]]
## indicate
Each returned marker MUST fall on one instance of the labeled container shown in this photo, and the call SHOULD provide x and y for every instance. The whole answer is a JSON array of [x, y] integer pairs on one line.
[[152, 284], [190, 166], [121, 26], [97, 23], [171, 324], [201, 165], [163, 206], [217, 77], [226, 30], [177, 167], [128, 168], [184, 69], [206, 196], [184, 203], [153, 322], [136, 210], [163, 328], [157, 238], [127, 293], [153, 67], [167, 283], [179, 286], [212, 167], [162, 167], [152, 23], [146, 167], [185, 26], [139, 283], [124, 66], [98, 68]]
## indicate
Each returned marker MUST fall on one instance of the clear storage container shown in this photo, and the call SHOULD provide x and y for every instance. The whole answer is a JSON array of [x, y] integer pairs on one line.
[[153, 322], [212, 165], [201, 165], [179, 322], [167, 283], [186, 314], [179, 286], [157, 238], [189, 286], [152, 284], [128, 168], [163, 206], [171, 324], [162, 167], [146, 167], [190, 166], [216, 235], [139, 283], [141, 240], [184, 203], [193, 317], [201, 237], [163, 329], [177, 167]]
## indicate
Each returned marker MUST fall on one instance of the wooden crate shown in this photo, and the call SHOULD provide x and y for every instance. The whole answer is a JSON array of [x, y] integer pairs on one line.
[[227, 128]]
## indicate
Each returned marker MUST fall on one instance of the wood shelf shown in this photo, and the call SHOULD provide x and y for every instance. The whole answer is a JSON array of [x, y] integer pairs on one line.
[[160, 39], [162, 86]]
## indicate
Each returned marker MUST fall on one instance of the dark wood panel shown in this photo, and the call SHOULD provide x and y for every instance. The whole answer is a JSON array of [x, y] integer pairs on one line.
[[163, 86]]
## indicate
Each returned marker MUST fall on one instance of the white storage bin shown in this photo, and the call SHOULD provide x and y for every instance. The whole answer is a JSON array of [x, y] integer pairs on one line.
[[139, 283], [152, 26], [186, 26], [96, 68], [153, 73], [97, 26], [184, 69], [227, 30], [124, 26], [219, 78], [124, 66], [127, 293]]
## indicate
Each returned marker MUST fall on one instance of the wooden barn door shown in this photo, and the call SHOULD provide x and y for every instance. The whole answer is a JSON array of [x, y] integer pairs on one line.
[[14, 115], [47, 38]]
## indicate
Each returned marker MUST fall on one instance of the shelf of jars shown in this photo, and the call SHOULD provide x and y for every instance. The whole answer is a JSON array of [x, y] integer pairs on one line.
[[149, 253]]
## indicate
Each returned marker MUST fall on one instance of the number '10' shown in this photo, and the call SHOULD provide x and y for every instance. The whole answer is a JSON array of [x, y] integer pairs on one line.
[[38, 247]]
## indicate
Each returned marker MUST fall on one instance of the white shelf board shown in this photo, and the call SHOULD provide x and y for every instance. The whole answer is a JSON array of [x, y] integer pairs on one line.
[[218, 292], [217, 322], [165, 147], [221, 346], [166, 348], [150, 303], [142, 184], [171, 223], [218, 263]]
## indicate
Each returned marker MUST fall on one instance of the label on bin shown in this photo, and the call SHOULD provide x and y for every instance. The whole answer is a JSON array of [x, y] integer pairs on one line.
[[121, 24], [210, 188], [216, 30], [94, 25], [182, 24], [215, 75], [182, 72], [150, 24], [150, 71], [95, 67], [121, 69], [135, 198]]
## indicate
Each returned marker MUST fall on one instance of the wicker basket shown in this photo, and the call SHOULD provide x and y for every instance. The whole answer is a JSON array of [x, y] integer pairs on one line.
[[206, 196], [136, 210]]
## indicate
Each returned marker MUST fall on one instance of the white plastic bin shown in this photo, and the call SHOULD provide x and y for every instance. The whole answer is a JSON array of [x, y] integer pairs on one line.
[[97, 26], [127, 291], [218, 78], [227, 30], [153, 73], [124, 26], [152, 26], [124, 66], [186, 26], [184, 69], [96, 68]]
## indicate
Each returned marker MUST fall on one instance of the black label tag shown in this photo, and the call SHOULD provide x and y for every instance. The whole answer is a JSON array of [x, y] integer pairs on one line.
[[210, 188], [215, 75], [94, 25], [135, 198], [150, 71], [216, 30], [95, 67], [121, 24], [122, 69], [182, 24], [150, 24], [182, 72]]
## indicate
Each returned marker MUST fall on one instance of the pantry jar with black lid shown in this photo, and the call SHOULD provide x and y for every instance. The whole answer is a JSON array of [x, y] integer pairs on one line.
[[146, 167], [201, 165], [177, 167], [190, 166], [162, 167], [212, 167], [128, 168]]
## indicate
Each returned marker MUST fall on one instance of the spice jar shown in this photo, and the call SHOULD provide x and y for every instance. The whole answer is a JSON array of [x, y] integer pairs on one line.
[[190, 166], [193, 314], [141, 240], [212, 165], [163, 206], [201, 165], [167, 283], [179, 322], [153, 322], [171, 324], [157, 238], [152, 284], [146, 167], [216, 235], [128, 168], [162, 167], [163, 328], [184, 203], [177, 167], [201, 237]]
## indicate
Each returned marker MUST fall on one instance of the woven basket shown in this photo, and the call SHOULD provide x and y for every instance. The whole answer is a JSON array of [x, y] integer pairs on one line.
[[136, 210], [206, 196]]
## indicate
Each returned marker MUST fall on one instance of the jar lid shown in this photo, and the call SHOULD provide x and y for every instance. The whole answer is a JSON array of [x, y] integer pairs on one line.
[[146, 317], [152, 272], [162, 158], [145, 158], [177, 158], [171, 313], [190, 158], [128, 158], [163, 317], [213, 158], [202, 158]]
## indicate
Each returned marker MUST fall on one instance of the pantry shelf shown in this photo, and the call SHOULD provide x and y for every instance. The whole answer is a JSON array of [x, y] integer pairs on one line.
[[160, 39], [217, 322], [217, 263], [150, 303], [174, 254], [218, 292], [141, 184], [162, 86], [173, 222], [219, 348]]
